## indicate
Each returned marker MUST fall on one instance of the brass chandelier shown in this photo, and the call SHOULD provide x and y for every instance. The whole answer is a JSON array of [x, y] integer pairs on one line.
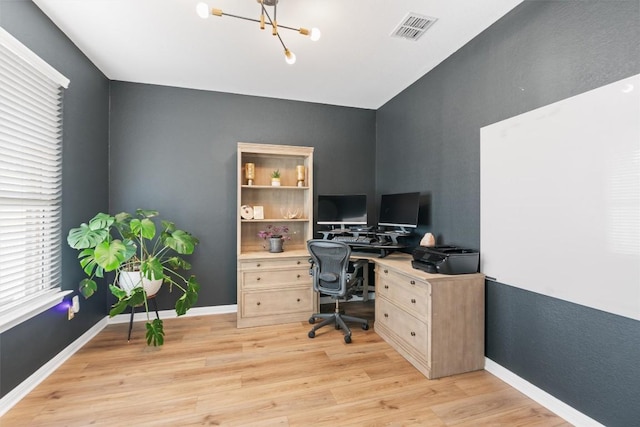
[[204, 12]]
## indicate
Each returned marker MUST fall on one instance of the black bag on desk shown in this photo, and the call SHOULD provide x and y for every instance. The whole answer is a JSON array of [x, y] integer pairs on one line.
[[446, 259]]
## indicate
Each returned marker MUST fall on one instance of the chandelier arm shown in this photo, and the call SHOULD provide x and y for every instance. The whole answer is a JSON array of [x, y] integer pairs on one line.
[[281, 42], [240, 17], [264, 10], [257, 20], [289, 28], [271, 23]]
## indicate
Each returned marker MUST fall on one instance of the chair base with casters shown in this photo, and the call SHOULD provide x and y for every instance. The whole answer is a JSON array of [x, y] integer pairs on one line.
[[339, 320], [329, 265]]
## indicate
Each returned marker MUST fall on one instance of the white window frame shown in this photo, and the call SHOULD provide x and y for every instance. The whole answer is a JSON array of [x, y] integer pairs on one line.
[[45, 291]]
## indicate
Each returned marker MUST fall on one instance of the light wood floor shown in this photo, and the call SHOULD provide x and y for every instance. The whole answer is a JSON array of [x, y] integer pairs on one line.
[[210, 373]]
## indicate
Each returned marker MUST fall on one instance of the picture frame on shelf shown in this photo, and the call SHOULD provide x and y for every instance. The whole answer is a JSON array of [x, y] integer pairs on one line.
[[258, 212]]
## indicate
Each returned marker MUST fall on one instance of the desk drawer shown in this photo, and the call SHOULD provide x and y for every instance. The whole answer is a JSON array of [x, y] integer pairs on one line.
[[266, 264], [279, 302], [412, 331], [276, 278], [407, 292]]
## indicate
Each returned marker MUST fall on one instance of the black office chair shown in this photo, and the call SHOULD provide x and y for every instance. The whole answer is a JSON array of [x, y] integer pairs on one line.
[[329, 268]]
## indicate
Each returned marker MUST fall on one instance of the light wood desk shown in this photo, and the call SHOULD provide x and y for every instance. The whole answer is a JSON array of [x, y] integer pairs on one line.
[[435, 321]]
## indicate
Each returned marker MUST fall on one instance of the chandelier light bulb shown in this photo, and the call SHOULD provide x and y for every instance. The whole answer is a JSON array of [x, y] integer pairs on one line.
[[202, 9], [315, 34], [290, 57]]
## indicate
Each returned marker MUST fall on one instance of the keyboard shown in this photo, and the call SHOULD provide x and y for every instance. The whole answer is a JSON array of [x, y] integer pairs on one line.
[[362, 240]]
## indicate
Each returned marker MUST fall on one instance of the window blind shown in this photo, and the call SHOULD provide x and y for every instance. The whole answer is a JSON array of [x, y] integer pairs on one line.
[[31, 95]]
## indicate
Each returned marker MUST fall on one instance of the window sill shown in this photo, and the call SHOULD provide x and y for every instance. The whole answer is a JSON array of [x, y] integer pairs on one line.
[[31, 309]]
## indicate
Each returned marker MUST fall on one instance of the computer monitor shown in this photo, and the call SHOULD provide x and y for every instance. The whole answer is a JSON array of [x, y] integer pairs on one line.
[[399, 210], [342, 210]]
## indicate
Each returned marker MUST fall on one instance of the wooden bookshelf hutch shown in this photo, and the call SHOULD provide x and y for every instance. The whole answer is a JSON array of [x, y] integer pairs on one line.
[[274, 288]]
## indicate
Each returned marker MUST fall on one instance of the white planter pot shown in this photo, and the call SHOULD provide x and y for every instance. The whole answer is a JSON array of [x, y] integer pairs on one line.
[[131, 279]]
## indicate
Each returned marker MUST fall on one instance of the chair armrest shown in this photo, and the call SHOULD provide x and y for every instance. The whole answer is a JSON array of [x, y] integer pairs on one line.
[[360, 263]]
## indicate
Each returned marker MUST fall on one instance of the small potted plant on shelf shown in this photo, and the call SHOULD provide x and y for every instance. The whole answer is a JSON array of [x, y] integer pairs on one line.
[[276, 234], [142, 260], [275, 178]]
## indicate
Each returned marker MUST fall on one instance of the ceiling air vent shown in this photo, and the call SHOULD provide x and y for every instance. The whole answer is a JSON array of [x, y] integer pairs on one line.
[[413, 26]]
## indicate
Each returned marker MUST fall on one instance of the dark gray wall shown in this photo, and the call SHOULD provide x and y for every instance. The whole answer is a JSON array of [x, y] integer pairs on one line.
[[429, 140], [174, 150], [28, 346]]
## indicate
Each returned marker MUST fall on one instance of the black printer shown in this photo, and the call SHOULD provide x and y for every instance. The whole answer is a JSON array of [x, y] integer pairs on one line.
[[446, 259]]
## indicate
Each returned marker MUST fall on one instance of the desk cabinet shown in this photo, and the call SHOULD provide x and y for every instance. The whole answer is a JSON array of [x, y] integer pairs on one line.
[[274, 289], [435, 321]]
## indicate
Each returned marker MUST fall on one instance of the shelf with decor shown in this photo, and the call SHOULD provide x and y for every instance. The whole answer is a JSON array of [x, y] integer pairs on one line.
[[273, 283]]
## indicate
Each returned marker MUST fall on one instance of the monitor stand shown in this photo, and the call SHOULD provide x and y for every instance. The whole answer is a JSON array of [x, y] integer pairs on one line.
[[397, 232], [342, 229]]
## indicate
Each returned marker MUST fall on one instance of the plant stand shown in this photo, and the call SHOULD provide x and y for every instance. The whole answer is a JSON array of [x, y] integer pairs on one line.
[[133, 310]]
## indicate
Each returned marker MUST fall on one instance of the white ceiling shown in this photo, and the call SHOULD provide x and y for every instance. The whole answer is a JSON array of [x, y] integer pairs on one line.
[[356, 63]]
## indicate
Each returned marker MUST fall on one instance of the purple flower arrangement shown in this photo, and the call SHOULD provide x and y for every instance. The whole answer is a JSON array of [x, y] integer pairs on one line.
[[274, 231]]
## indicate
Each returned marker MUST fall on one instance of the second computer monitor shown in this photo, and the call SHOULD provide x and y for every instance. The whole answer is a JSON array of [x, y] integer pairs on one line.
[[399, 210], [342, 210]]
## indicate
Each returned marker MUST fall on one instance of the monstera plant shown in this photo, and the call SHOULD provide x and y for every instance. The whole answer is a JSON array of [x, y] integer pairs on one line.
[[127, 243]]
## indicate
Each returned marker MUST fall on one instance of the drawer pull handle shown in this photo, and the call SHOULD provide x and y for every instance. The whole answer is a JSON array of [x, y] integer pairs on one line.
[[413, 282], [298, 299], [413, 334], [386, 315], [386, 286], [298, 276], [385, 271], [413, 300], [258, 303], [258, 265], [258, 279], [298, 262]]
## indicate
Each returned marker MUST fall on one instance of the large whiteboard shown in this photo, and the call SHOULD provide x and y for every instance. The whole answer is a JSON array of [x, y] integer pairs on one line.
[[560, 199]]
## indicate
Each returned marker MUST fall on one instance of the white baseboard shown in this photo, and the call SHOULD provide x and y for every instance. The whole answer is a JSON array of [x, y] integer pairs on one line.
[[553, 404], [171, 314], [15, 395]]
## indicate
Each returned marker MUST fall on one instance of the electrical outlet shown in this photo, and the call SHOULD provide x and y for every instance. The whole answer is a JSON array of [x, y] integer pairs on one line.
[[75, 304], [70, 313]]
